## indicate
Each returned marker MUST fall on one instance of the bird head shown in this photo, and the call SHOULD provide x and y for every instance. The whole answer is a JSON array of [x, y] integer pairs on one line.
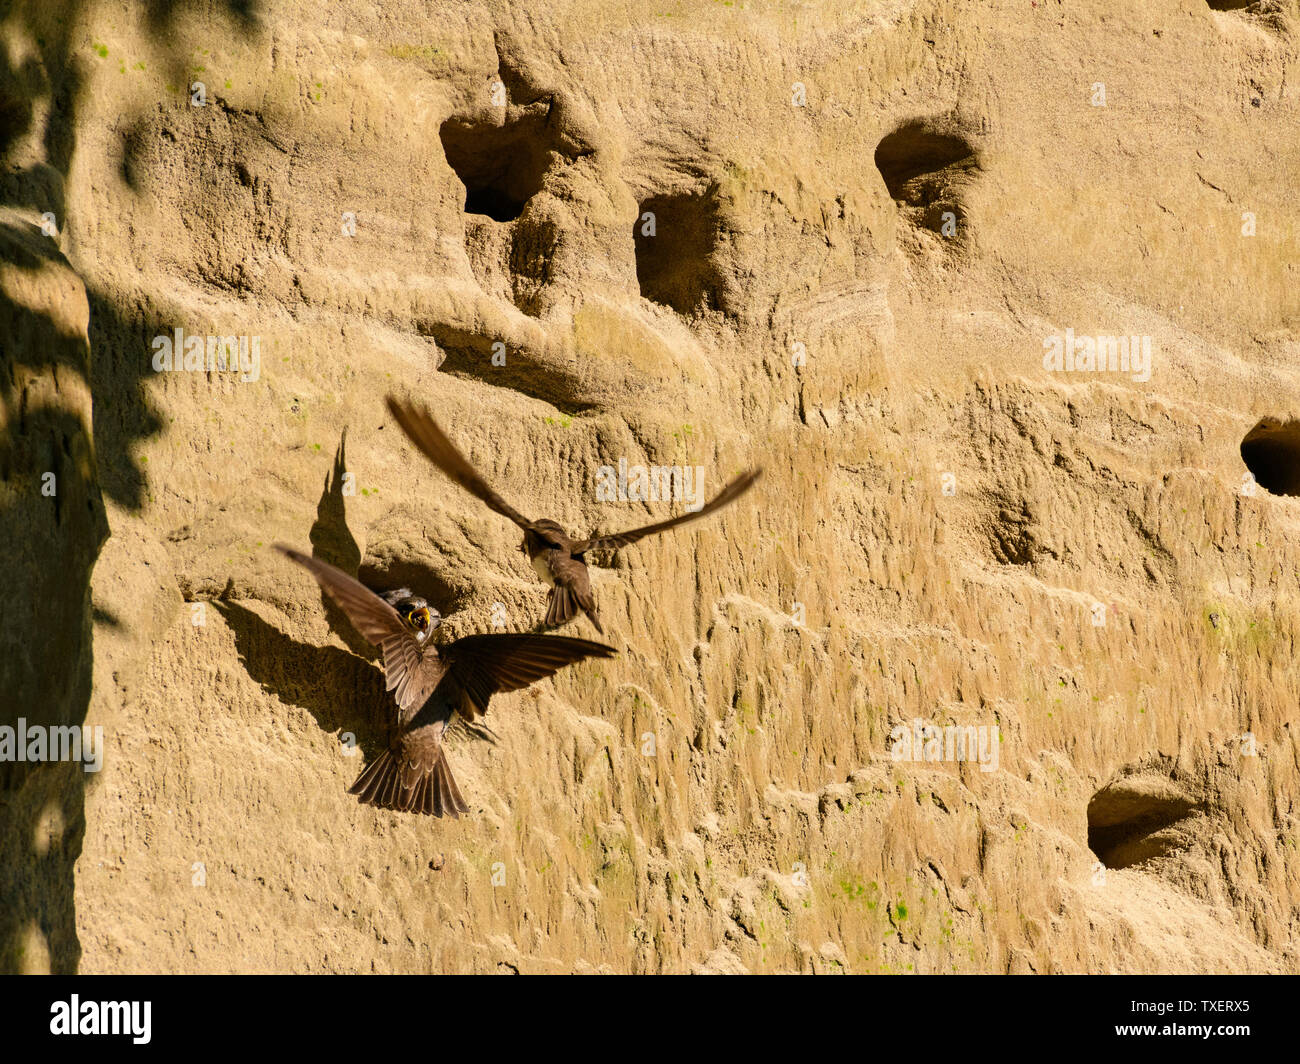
[[420, 616]]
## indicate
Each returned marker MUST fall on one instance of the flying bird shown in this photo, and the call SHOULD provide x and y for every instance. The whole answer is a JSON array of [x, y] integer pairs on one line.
[[556, 557], [412, 775]]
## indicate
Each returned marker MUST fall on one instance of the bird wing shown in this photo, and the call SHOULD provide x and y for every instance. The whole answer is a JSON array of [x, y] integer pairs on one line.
[[486, 664], [412, 775], [412, 673], [424, 432], [727, 495]]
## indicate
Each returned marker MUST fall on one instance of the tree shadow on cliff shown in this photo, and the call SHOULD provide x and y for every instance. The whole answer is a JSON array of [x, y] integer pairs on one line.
[[53, 539], [52, 525], [124, 414]]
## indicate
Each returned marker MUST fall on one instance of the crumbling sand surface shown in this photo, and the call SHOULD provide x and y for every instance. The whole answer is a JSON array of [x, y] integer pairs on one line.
[[871, 219]]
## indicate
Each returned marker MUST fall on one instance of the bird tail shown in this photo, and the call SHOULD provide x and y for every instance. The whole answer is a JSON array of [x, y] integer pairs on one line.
[[564, 606], [432, 792]]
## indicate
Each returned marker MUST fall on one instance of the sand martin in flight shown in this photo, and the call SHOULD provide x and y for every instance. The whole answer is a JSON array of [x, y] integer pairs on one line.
[[429, 683], [557, 558]]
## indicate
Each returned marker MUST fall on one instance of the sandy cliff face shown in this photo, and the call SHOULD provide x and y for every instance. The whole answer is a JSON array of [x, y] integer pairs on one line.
[[869, 223]]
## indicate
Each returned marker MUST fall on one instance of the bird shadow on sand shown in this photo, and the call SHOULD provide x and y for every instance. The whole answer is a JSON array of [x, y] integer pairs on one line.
[[343, 692], [332, 542]]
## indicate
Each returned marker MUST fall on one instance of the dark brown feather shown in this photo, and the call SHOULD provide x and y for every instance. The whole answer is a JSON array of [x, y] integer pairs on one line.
[[572, 591], [411, 672], [412, 776], [424, 432], [486, 664], [560, 607], [726, 496]]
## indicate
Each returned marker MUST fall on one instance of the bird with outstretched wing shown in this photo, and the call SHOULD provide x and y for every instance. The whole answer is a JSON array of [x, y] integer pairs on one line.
[[556, 557], [429, 683]]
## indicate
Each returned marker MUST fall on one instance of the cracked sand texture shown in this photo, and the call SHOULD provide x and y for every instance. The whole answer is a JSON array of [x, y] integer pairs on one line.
[[770, 830]]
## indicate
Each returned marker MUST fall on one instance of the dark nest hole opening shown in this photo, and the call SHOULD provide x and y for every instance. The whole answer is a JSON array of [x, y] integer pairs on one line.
[[388, 574], [1229, 5], [502, 167], [922, 169], [676, 237], [1271, 451], [1129, 823]]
